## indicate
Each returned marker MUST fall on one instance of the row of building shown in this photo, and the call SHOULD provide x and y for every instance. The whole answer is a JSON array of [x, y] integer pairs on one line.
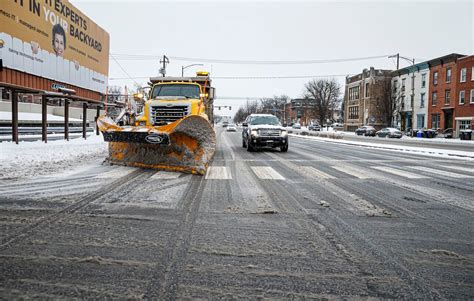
[[436, 94]]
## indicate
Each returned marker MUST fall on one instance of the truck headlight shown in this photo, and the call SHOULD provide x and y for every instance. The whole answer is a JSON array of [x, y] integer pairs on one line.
[[254, 133], [284, 133]]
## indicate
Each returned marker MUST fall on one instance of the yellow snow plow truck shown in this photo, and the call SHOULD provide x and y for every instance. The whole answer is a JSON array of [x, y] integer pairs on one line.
[[174, 132]]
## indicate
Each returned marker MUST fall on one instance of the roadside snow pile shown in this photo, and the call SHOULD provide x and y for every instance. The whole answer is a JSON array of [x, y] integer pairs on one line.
[[323, 134], [427, 151], [28, 159]]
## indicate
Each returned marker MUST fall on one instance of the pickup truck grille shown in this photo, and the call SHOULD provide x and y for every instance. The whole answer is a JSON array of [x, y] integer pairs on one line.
[[163, 113], [269, 133]]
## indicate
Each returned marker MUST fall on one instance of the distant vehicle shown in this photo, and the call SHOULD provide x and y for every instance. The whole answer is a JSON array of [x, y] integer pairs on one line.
[[389, 132], [314, 127], [225, 124], [447, 133], [231, 128], [366, 130], [264, 130], [296, 126], [337, 125]]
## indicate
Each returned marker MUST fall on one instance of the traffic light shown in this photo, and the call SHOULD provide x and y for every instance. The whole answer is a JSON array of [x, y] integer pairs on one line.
[[230, 108]]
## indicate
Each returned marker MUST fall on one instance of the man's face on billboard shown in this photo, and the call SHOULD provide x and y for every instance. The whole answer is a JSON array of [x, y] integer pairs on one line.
[[59, 44]]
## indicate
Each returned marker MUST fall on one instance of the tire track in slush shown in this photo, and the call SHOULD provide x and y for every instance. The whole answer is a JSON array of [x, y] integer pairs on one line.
[[81, 203], [164, 283]]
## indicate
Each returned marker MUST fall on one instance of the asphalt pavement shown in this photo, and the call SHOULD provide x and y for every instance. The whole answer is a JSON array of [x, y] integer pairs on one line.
[[323, 220]]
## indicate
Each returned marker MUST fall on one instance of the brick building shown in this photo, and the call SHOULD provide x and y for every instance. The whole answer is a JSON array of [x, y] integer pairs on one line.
[[464, 101], [444, 78], [362, 97]]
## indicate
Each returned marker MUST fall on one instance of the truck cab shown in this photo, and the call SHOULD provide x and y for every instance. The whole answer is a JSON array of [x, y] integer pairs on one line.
[[173, 98]]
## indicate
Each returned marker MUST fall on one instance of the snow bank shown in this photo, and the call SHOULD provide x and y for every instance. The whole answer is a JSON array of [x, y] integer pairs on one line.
[[28, 159], [431, 151]]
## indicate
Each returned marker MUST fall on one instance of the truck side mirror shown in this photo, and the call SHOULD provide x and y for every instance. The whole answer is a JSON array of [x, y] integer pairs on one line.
[[245, 124]]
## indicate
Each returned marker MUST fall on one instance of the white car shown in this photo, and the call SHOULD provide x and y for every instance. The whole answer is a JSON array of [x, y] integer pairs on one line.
[[231, 128]]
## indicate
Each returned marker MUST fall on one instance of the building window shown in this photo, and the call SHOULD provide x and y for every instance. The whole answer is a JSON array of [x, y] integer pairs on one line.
[[463, 75], [448, 75], [423, 80], [472, 73], [420, 121], [402, 103], [472, 95], [435, 121], [403, 84], [434, 99], [435, 78], [354, 93], [366, 89], [354, 112], [422, 100], [461, 97], [464, 124], [447, 97]]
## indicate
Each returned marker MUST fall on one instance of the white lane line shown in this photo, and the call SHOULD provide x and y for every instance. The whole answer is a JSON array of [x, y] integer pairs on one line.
[[116, 172], [356, 172], [166, 175], [467, 169], [440, 172], [218, 173], [266, 173], [399, 172], [310, 171]]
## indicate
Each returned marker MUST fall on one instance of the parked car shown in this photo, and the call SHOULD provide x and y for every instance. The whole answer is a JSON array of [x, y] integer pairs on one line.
[[314, 127], [261, 130], [296, 126], [366, 130], [447, 133], [231, 128], [389, 132]]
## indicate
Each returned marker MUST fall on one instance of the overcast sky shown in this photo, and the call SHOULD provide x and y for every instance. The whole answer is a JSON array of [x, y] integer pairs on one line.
[[277, 31]]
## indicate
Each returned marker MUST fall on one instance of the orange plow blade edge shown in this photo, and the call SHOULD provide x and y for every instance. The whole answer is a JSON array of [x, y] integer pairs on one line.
[[186, 145]]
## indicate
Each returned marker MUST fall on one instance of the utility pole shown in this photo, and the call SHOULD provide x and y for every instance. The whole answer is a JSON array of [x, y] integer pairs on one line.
[[164, 62], [398, 59]]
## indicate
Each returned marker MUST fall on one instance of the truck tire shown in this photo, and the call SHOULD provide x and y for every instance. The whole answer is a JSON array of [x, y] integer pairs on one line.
[[284, 148]]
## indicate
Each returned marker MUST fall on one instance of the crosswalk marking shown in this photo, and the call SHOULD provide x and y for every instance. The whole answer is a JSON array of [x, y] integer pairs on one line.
[[440, 172], [218, 173], [467, 169], [399, 172], [358, 173], [313, 172], [266, 173], [166, 175]]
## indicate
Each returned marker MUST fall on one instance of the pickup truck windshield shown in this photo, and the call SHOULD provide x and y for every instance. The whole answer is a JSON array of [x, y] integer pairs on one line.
[[271, 120], [188, 91]]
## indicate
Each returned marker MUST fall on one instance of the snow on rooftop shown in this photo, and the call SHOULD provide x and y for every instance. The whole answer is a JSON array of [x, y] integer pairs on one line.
[[7, 116]]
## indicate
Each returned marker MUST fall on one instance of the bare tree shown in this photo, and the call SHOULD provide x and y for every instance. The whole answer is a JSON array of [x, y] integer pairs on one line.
[[388, 103], [325, 94]]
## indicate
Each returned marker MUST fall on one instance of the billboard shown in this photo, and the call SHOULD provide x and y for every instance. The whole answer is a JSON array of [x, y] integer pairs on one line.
[[54, 40]]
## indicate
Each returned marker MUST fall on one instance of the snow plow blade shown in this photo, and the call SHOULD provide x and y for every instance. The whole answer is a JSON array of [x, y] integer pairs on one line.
[[186, 145]]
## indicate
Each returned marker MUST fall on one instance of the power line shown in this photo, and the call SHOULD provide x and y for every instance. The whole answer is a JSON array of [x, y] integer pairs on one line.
[[129, 77], [244, 62], [249, 77]]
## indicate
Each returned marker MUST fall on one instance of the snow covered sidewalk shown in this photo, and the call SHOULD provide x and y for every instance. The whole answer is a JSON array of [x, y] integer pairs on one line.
[[28, 159], [428, 151]]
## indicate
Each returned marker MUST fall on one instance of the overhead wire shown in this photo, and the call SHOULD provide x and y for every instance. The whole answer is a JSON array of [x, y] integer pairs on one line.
[[245, 62]]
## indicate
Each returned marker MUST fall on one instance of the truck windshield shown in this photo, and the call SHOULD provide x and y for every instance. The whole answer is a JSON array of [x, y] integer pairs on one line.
[[271, 120], [188, 91]]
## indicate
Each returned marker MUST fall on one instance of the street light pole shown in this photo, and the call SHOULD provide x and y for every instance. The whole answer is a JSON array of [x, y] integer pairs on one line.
[[184, 67]]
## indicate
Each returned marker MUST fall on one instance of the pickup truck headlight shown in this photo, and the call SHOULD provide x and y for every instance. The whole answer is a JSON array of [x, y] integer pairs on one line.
[[254, 133], [284, 133]]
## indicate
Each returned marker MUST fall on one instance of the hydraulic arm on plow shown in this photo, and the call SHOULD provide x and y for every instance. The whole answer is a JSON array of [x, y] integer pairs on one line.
[[173, 133]]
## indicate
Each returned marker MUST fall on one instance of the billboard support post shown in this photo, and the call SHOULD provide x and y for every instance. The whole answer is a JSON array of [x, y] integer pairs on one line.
[[97, 117], [14, 96], [66, 119], [44, 118], [84, 120]]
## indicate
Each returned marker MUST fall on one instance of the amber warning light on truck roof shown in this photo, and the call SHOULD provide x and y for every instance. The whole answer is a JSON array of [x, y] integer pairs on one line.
[[202, 73]]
